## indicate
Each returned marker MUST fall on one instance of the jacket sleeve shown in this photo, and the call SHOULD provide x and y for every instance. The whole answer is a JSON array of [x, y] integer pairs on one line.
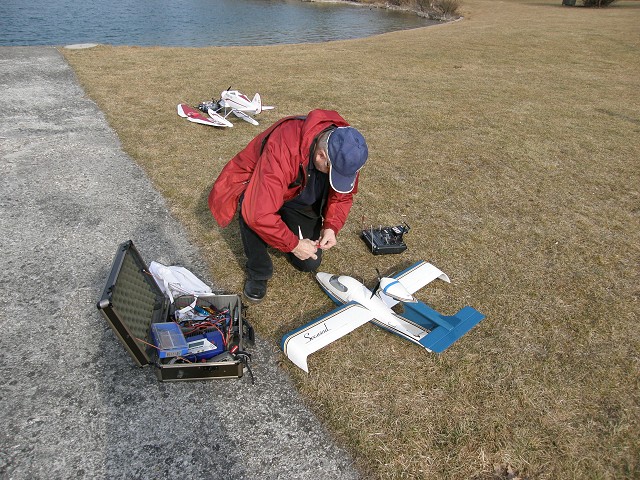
[[338, 208], [266, 192]]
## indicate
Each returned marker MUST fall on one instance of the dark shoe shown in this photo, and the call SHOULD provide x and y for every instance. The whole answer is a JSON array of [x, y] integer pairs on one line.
[[255, 290]]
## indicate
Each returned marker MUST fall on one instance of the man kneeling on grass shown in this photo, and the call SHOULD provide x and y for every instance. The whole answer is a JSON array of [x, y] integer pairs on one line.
[[294, 184]]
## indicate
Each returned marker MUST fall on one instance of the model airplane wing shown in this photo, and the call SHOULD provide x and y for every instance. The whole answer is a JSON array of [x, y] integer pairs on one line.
[[216, 117], [245, 117], [414, 278], [202, 120], [196, 116], [302, 342]]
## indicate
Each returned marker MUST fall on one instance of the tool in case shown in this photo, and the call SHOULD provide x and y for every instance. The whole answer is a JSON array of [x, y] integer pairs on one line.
[[142, 317]]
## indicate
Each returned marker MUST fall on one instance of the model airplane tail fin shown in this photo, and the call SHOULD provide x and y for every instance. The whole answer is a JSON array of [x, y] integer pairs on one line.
[[445, 330], [257, 102]]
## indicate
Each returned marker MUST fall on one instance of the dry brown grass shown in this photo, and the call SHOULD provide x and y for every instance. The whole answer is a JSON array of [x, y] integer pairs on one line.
[[510, 143]]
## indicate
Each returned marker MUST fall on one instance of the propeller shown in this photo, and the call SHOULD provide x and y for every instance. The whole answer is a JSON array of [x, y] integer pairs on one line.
[[375, 289]]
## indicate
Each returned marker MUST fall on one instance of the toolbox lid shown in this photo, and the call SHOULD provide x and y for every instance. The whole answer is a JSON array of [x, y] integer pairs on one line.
[[132, 301]]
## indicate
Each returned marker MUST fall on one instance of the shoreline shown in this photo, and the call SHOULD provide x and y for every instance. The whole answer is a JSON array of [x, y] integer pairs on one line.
[[429, 15]]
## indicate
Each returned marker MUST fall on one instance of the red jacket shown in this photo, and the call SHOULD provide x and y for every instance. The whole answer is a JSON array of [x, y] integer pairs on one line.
[[266, 170]]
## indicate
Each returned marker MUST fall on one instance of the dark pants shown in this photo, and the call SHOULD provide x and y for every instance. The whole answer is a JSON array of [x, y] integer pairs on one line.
[[259, 265]]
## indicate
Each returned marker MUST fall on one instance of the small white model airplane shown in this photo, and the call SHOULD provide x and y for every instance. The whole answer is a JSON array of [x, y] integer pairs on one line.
[[233, 101], [418, 323]]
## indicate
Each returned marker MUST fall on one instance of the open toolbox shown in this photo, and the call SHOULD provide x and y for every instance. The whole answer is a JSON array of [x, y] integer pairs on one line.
[[142, 317]]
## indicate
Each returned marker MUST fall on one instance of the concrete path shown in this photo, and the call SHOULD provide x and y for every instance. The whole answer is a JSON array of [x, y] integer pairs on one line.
[[72, 402]]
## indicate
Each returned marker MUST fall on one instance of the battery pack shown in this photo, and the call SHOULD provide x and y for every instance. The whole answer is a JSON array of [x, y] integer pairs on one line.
[[204, 346]]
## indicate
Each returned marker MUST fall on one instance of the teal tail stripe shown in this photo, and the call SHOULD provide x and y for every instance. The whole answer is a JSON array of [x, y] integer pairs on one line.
[[453, 328], [428, 318]]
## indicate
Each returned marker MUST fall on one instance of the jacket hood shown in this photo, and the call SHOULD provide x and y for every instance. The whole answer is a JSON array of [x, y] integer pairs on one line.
[[315, 123]]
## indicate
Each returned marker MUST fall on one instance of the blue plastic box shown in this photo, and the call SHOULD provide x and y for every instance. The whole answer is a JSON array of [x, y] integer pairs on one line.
[[169, 339]]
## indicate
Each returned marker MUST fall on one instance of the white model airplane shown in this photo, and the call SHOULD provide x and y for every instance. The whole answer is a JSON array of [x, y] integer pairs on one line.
[[233, 101], [418, 323]]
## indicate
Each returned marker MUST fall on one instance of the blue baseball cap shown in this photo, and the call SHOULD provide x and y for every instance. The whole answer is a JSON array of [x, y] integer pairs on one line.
[[348, 153]]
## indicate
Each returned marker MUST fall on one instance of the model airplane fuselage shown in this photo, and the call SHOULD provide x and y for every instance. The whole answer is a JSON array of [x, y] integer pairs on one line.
[[358, 305], [233, 101], [236, 100], [343, 289]]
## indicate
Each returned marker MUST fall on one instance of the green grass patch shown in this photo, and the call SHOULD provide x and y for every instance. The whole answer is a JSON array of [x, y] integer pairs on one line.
[[509, 141]]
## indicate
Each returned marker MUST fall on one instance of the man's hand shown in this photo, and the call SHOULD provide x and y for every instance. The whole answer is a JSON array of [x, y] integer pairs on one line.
[[327, 239], [305, 249]]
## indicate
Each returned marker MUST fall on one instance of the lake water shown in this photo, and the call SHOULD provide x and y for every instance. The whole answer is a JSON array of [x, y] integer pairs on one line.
[[194, 23]]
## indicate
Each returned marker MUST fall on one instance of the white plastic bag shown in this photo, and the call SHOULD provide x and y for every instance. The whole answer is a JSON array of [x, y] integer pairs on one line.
[[176, 281]]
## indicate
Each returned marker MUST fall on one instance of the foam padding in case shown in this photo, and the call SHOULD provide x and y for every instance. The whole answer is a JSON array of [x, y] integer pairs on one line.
[[132, 301]]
